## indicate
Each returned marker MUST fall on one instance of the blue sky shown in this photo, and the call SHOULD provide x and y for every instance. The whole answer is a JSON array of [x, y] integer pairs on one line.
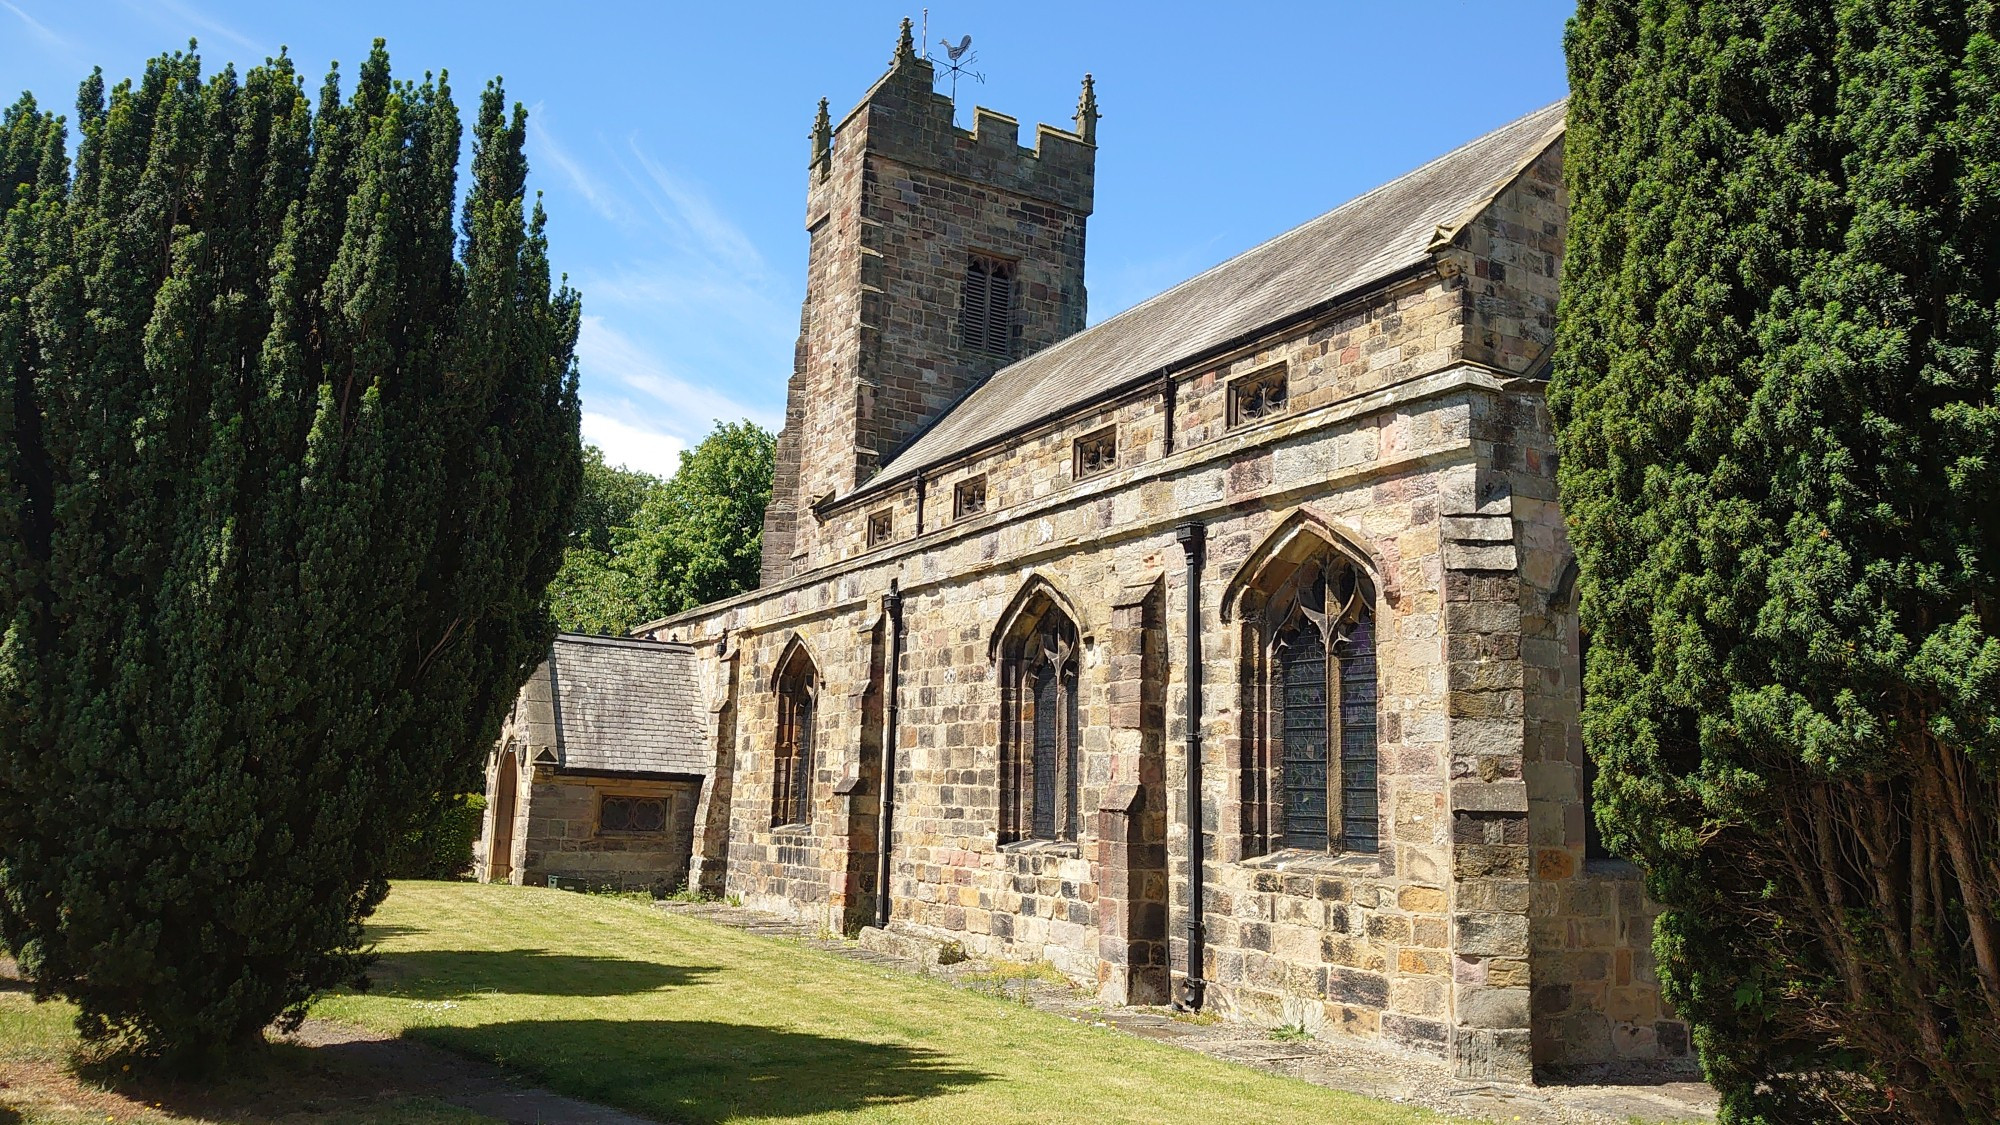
[[670, 139]]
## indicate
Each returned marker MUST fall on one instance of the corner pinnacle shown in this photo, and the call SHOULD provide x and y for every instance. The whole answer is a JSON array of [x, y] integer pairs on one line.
[[1086, 111], [906, 45], [822, 137]]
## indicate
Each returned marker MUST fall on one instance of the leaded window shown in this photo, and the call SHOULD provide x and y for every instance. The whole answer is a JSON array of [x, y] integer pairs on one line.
[[1040, 753], [1313, 780], [637, 815], [792, 768]]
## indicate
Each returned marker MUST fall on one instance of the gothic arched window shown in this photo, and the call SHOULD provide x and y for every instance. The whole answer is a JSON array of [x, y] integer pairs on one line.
[[1040, 755], [1310, 768], [797, 688]]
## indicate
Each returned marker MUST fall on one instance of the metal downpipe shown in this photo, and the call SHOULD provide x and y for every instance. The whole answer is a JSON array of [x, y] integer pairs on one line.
[[892, 607], [1193, 537]]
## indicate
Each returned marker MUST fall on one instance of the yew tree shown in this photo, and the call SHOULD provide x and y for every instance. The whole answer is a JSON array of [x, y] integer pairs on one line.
[[288, 448], [1779, 428]]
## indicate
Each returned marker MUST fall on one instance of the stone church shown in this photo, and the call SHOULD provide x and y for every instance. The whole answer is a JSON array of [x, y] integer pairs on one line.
[[1219, 654]]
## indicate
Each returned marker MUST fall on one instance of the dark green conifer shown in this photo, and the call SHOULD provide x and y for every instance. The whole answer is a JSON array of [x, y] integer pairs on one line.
[[1780, 436], [286, 465]]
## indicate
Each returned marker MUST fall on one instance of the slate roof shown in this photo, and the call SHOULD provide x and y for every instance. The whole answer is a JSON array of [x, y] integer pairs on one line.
[[1363, 241], [627, 706]]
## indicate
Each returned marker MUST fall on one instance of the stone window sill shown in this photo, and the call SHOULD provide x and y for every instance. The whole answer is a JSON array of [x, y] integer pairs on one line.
[[1068, 849], [1299, 861], [1611, 867], [796, 831]]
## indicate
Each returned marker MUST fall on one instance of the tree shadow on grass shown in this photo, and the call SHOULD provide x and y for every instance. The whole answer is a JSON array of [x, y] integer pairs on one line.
[[282, 1083], [441, 974], [701, 1071]]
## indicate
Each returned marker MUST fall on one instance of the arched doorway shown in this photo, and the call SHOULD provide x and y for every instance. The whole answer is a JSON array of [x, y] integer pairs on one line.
[[500, 842]]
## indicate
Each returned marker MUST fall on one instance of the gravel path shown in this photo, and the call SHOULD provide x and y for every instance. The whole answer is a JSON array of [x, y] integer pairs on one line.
[[406, 1066]]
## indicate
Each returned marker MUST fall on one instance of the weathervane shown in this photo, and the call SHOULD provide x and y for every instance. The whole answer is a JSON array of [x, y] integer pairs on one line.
[[958, 60]]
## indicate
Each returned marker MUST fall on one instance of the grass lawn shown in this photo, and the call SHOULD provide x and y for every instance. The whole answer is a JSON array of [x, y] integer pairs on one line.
[[611, 1000]]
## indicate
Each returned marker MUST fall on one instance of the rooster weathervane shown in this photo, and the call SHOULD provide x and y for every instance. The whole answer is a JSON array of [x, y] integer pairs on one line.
[[958, 60]]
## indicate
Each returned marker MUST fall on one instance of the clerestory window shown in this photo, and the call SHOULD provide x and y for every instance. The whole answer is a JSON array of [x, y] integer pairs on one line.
[[1257, 396], [968, 498], [1095, 453]]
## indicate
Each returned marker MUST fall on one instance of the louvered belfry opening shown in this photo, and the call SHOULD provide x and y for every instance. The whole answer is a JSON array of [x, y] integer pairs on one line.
[[1040, 753], [1311, 774], [792, 771], [985, 318]]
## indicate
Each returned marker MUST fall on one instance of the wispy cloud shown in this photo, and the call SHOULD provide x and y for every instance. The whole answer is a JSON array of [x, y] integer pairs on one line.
[[687, 327], [680, 406], [632, 446], [1141, 279], [599, 195], [718, 300], [40, 29], [191, 16], [689, 213]]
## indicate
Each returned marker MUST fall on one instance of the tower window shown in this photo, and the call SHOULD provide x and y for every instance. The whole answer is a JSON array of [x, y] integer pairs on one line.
[[985, 320], [968, 498], [880, 526], [1096, 453], [1257, 396]]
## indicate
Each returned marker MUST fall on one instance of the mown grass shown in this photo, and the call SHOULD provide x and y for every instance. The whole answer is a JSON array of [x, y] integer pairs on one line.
[[671, 1016]]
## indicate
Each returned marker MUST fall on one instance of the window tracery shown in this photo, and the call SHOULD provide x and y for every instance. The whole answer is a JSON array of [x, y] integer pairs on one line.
[[1041, 743], [1311, 775]]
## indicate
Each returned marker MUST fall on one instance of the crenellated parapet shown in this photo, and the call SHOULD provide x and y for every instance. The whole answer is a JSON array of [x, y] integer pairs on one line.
[[903, 118]]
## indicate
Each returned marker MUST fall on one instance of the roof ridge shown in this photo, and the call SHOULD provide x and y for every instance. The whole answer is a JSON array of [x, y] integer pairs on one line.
[[622, 642], [1271, 241]]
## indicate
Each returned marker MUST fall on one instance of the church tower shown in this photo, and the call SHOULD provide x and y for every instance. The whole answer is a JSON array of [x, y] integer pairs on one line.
[[938, 255]]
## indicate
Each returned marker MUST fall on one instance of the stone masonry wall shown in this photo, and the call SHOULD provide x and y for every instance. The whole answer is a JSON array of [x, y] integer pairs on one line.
[[1395, 336], [554, 829], [565, 840], [1359, 945]]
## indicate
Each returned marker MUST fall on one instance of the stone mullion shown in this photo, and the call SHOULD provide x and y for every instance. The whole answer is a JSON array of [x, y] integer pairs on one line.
[[1336, 764]]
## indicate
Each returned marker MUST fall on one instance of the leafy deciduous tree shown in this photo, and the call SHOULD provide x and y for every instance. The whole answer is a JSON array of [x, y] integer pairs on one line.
[[701, 537], [592, 593], [644, 548]]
